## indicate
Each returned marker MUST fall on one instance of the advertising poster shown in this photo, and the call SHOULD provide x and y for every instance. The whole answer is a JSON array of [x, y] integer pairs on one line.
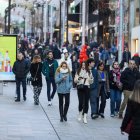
[[8, 49]]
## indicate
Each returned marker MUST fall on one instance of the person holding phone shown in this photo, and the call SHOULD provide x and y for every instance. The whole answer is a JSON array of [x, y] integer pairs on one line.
[[83, 76], [63, 79]]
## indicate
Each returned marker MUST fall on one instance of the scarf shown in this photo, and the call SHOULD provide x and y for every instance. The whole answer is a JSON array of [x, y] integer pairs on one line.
[[64, 70], [116, 75]]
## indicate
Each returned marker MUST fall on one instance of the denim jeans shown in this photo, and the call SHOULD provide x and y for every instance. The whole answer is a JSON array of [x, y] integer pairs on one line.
[[115, 100], [93, 100], [50, 81], [18, 82]]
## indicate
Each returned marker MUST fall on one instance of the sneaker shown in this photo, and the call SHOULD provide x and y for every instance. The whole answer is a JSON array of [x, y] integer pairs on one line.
[[49, 103], [17, 100], [94, 116], [112, 115], [102, 115]]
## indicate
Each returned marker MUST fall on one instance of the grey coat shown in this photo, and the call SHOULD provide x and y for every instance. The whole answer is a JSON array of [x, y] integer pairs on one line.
[[106, 85]]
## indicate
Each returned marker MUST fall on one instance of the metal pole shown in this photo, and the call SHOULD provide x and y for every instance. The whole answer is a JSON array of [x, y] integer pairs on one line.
[[42, 33], [67, 22], [9, 16], [83, 22], [45, 21], [64, 17], [120, 33], [60, 27], [51, 35]]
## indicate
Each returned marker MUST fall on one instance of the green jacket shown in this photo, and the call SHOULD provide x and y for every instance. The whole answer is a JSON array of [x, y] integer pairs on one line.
[[45, 68]]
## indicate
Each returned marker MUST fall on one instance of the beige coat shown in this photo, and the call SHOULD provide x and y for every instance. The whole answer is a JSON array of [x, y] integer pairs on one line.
[[88, 78]]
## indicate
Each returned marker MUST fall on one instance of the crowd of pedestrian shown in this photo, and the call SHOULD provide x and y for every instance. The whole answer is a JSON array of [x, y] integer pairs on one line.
[[93, 71]]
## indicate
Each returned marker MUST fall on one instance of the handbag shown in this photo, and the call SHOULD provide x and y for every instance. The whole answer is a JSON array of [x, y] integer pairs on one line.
[[128, 127], [33, 79], [81, 86]]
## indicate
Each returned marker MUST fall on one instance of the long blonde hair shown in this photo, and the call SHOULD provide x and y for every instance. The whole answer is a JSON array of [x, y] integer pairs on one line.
[[58, 69], [35, 58], [136, 92]]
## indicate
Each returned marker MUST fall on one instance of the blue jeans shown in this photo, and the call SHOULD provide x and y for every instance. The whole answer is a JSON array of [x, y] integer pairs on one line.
[[93, 101], [18, 82], [115, 100], [50, 81]]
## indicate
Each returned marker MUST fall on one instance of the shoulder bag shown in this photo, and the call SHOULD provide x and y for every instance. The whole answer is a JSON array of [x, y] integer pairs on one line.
[[81, 86], [33, 79]]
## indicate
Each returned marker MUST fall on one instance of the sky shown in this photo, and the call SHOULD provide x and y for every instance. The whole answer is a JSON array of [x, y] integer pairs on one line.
[[3, 5]]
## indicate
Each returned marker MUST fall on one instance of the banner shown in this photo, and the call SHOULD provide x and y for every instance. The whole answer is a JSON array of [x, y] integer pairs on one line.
[[8, 49]]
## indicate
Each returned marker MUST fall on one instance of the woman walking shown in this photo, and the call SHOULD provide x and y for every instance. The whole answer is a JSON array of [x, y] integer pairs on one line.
[[35, 70], [115, 89], [63, 79], [132, 114], [83, 77], [103, 89]]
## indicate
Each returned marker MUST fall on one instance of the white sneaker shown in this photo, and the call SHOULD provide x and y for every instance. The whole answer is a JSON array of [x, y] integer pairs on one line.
[[49, 103], [80, 116], [85, 118]]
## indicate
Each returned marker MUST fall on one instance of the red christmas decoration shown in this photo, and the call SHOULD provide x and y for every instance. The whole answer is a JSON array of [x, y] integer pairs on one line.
[[83, 54]]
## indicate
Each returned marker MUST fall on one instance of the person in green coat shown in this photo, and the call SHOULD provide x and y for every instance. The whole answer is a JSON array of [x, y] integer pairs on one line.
[[49, 68]]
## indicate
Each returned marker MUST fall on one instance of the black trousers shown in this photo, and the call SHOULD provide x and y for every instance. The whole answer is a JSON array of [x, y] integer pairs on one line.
[[83, 97], [102, 95], [63, 108], [18, 83]]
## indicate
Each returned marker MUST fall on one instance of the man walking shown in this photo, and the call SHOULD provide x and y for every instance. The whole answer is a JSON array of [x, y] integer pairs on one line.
[[20, 69], [93, 88], [128, 78], [49, 68]]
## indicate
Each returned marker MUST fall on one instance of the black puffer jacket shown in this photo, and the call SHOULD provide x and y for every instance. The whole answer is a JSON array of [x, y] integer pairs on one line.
[[132, 113], [35, 70], [21, 68], [129, 77]]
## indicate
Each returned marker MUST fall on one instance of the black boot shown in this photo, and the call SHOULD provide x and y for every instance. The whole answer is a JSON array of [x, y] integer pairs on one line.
[[61, 113], [65, 112], [24, 97]]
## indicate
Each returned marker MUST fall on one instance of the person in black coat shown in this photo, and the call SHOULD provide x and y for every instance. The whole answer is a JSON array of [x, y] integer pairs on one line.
[[35, 70], [132, 114], [21, 68], [128, 78], [126, 55]]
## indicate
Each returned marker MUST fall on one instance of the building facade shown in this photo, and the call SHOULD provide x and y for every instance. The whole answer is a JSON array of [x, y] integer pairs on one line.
[[135, 26]]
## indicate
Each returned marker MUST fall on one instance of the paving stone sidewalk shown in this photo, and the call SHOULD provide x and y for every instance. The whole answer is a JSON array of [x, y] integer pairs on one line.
[[25, 121]]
